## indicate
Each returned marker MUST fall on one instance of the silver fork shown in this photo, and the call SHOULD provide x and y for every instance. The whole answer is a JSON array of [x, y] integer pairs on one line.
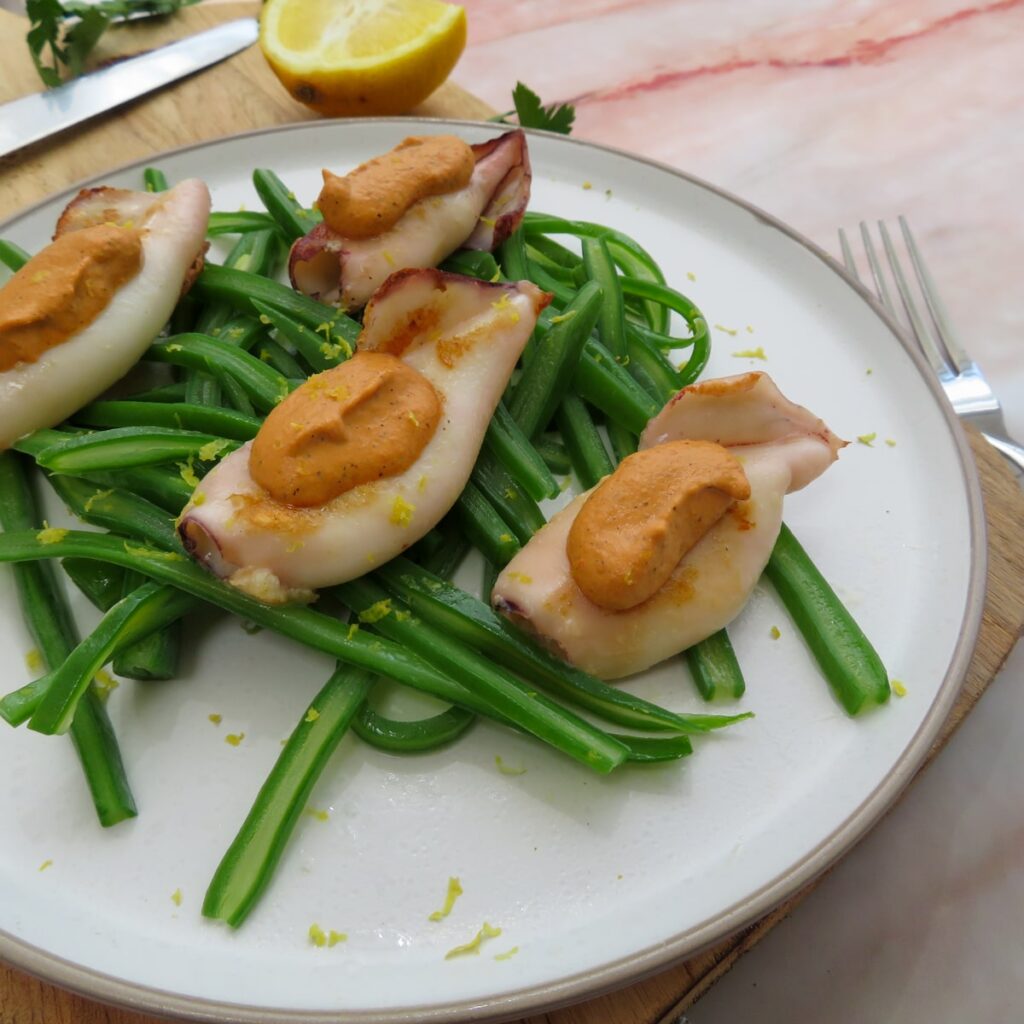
[[965, 385]]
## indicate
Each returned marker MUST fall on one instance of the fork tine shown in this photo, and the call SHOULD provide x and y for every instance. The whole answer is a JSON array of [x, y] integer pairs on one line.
[[848, 259], [940, 318], [876, 271], [924, 339]]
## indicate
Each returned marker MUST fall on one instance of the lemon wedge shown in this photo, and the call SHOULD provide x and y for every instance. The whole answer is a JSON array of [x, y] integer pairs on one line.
[[345, 58]]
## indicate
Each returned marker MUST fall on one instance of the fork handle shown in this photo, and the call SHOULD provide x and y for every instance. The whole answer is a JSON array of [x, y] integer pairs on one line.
[[1013, 451]]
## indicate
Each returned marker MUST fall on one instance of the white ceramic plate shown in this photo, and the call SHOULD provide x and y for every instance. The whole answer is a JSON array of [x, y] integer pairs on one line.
[[595, 880]]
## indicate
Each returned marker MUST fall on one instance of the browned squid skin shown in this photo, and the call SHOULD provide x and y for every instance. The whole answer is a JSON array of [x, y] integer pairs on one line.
[[104, 204], [334, 269]]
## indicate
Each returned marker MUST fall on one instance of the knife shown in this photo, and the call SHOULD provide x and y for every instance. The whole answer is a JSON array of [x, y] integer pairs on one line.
[[35, 117]]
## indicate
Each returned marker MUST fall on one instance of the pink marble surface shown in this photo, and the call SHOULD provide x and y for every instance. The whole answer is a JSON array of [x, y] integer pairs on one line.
[[825, 112]]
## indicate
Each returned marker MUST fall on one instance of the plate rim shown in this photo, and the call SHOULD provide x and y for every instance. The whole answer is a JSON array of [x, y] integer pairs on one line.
[[631, 968]]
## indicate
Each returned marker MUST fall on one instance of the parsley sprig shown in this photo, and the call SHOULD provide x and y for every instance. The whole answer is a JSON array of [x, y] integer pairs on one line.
[[63, 34], [531, 113]]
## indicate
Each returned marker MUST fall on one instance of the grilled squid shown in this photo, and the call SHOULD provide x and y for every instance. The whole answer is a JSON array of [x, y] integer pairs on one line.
[[81, 312], [362, 460], [411, 207], [666, 550]]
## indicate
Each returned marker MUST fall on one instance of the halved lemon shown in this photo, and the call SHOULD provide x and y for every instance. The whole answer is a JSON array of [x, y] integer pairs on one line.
[[344, 58]]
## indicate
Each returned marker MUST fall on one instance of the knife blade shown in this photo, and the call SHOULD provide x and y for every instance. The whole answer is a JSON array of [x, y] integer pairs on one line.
[[34, 117]]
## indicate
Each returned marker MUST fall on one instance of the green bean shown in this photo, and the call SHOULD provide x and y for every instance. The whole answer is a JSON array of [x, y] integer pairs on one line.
[[602, 382], [149, 657], [292, 219], [545, 224], [320, 354], [473, 263], [18, 706], [116, 510], [488, 579], [240, 289], [101, 583], [611, 322], [471, 621], [688, 311], [52, 627], [280, 359], [655, 749], [587, 452], [154, 179], [716, 671], [126, 447], [552, 451], [555, 252], [555, 269], [444, 558], [248, 865], [554, 362], [484, 526], [517, 508], [413, 737], [216, 421], [314, 629], [165, 393], [12, 256], [241, 331], [656, 314], [512, 256], [520, 458], [850, 664], [263, 385], [562, 291], [494, 688], [125, 623], [241, 222], [622, 441], [656, 368]]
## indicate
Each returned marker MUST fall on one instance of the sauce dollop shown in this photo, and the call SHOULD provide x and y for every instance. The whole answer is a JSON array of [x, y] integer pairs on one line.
[[62, 289], [372, 199], [368, 418], [639, 522]]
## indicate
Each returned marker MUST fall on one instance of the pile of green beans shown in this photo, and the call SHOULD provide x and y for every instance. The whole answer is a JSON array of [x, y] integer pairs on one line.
[[239, 343]]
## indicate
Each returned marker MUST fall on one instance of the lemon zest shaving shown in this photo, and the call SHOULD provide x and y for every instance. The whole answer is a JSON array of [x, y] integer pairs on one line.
[[144, 552], [507, 769], [33, 660], [508, 954], [775, 632], [587, 186], [473, 946], [176, 897], [51, 534], [215, 718], [898, 688], [376, 612], [453, 893], [691, 276], [188, 473], [98, 496], [105, 684], [46, 864], [353, 629], [311, 715], [210, 451], [234, 739], [401, 512], [751, 353], [890, 442], [316, 812], [521, 577], [867, 439], [563, 316]]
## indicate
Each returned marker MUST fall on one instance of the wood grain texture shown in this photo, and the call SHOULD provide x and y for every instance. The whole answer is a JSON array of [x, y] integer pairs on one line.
[[242, 94]]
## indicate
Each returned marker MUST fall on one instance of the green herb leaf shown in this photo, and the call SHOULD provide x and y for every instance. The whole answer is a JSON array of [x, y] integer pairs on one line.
[[62, 35], [533, 114]]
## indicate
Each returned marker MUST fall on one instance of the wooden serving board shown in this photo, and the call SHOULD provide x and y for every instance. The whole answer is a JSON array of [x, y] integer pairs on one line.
[[241, 94]]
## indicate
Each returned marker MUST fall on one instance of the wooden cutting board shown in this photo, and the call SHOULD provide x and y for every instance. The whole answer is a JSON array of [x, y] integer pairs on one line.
[[239, 95]]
